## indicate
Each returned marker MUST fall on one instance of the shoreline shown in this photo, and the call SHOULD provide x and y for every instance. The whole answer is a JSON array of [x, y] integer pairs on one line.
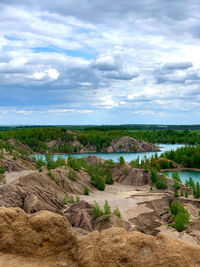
[[180, 169]]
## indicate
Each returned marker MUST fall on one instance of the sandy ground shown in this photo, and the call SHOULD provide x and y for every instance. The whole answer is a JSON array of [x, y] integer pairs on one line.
[[12, 176], [125, 198]]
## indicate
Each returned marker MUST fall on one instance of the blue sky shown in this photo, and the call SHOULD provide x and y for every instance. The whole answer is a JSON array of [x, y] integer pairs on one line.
[[99, 62]]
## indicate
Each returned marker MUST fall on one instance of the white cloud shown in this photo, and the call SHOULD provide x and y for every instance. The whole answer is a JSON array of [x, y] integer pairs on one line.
[[49, 73]]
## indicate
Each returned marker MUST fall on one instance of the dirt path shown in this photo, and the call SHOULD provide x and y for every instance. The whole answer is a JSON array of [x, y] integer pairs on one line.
[[12, 176]]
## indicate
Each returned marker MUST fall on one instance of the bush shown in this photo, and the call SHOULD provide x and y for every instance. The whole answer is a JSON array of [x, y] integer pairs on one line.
[[98, 182], [164, 164], [72, 200], [97, 211], [109, 179], [65, 200], [176, 193], [40, 162], [154, 175], [2, 170], [106, 208], [176, 207], [181, 220], [121, 160], [77, 198], [161, 183], [117, 213], [181, 215], [186, 194], [86, 191], [176, 176], [72, 175]]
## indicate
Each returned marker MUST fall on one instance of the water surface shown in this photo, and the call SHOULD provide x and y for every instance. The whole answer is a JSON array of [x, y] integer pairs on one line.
[[127, 156], [185, 175]]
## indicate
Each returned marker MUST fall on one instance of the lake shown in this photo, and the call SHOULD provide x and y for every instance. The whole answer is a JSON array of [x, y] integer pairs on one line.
[[127, 156], [185, 175]]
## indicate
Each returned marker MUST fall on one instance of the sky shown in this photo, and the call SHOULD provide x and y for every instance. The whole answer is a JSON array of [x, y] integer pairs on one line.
[[99, 62]]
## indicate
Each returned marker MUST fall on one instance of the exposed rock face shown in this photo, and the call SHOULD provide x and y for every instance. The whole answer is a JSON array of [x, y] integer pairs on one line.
[[14, 143], [40, 234], [32, 193], [45, 234], [116, 247], [124, 144], [94, 160], [129, 144], [80, 215], [128, 175]]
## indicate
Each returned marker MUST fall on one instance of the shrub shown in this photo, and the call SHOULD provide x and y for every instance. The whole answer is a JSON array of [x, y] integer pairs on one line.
[[72, 175], [77, 198], [181, 215], [164, 164], [40, 162], [186, 194], [176, 185], [106, 208], [176, 176], [117, 213], [110, 163], [161, 183], [86, 191], [98, 182], [2, 170], [71, 200], [65, 200], [109, 179], [121, 160], [97, 211], [57, 182], [154, 175], [176, 207], [176, 193], [181, 220]]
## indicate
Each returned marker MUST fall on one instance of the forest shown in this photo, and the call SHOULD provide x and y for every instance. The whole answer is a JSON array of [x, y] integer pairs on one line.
[[37, 138]]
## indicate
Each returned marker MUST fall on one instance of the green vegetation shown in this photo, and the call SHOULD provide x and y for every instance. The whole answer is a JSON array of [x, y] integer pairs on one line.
[[86, 191], [117, 213], [106, 208], [108, 175], [121, 160], [188, 156], [77, 198], [180, 215], [65, 200], [4, 181], [97, 211], [49, 161], [72, 175], [72, 200], [195, 187], [2, 170]]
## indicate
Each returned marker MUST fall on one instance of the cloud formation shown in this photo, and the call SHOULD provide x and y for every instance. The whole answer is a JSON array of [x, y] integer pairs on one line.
[[99, 61]]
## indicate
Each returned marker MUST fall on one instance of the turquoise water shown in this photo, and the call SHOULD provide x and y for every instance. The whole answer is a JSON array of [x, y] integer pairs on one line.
[[127, 156], [185, 175]]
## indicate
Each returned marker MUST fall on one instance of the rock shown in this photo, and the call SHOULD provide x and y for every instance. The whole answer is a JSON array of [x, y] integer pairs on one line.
[[124, 144], [109, 221], [17, 144], [32, 193], [94, 160], [129, 144], [48, 237], [38, 235], [80, 215], [116, 247], [128, 175]]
